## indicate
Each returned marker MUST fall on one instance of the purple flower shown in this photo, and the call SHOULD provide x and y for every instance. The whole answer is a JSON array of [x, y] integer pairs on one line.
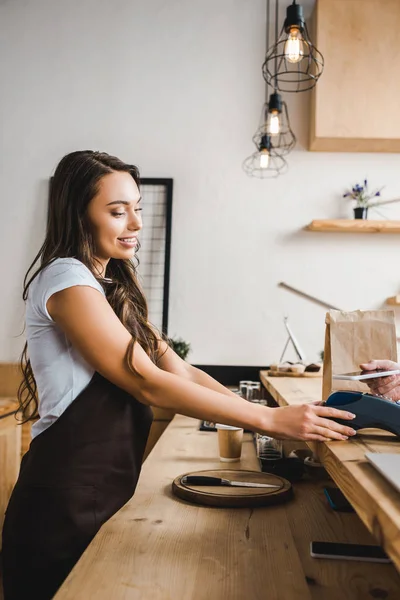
[[365, 182], [377, 194]]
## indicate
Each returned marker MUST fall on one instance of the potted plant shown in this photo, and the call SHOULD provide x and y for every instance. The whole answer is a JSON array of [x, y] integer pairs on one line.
[[179, 346], [363, 197]]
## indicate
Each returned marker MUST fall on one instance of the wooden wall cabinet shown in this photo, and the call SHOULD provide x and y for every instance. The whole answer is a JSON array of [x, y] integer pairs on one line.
[[355, 104]]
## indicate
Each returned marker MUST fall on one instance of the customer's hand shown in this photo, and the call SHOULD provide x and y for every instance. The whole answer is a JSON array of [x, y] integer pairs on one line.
[[310, 422], [385, 386]]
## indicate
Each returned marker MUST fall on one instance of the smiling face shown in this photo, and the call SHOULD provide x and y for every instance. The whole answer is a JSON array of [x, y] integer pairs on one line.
[[115, 218]]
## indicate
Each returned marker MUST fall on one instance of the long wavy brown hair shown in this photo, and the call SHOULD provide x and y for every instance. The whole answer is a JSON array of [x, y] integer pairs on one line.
[[75, 182]]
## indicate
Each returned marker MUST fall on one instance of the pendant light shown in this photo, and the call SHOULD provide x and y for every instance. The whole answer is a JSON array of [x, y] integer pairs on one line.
[[275, 123], [293, 63], [265, 162], [274, 136]]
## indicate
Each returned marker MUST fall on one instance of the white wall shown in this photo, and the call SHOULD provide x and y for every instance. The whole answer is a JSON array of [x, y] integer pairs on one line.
[[176, 87]]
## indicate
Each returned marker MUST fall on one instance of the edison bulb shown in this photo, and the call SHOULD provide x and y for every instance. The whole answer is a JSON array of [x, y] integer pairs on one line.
[[264, 159], [294, 50], [273, 124]]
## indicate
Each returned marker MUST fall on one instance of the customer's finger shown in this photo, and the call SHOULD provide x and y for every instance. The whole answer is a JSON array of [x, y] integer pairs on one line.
[[372, 365], [384, 388], [378, 380], [376, 383], [378, 390]]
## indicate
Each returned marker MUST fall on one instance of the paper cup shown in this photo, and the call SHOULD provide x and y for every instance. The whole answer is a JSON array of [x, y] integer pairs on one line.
[[230, 442]]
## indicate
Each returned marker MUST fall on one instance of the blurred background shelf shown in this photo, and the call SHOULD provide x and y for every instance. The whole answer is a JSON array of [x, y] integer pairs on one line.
[[354, 226], [394, 300]]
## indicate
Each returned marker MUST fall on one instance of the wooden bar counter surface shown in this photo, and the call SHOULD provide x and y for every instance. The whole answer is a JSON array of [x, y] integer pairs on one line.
[[158, 547], [376, 501], [10, 453]]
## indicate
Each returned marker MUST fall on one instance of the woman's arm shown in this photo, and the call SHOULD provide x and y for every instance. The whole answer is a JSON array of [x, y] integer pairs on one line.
[[89, 322], [171, 362]]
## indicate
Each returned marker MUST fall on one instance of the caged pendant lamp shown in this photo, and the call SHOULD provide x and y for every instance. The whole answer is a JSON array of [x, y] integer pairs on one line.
[[274, 137], [293, 63], [275, 123], [265, 163]]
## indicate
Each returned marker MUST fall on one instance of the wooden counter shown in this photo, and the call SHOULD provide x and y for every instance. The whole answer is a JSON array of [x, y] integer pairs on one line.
[[10, 452], [160, 548], [161, 419], [375, 500]]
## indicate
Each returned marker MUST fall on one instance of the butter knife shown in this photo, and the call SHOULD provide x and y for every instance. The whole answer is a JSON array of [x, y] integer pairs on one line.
[[205, 480]]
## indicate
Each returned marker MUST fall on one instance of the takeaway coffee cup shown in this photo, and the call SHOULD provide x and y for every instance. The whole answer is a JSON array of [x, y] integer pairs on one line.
[[230, 442]]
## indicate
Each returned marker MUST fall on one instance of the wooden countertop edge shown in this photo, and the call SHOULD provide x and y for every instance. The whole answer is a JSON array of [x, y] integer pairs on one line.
[[3, 416], [383, 523]]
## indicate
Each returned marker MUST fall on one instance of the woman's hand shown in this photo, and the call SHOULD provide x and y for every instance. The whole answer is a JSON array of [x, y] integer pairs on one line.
[[310, 422], [384, 386]]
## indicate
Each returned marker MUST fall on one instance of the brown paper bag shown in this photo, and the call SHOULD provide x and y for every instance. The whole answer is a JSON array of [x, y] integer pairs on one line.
[[352, 338]]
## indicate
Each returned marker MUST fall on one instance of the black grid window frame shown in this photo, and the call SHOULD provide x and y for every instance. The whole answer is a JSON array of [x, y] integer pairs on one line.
[[167, 183]]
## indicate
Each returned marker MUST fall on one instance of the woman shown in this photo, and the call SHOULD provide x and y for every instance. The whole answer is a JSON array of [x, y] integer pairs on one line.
[[98, 365]]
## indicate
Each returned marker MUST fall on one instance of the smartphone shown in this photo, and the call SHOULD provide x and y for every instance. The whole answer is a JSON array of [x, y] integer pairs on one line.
[[337, 500], [360, 375], [348, 552]]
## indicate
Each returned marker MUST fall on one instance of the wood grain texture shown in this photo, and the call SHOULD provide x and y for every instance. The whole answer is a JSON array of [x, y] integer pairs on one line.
[[163, 548], [156, 430], [161, 419], [10, 378], [289, 374], [373, 498], [7, 406], [359, 42], [10, 454], [354, 226], [234, 497]]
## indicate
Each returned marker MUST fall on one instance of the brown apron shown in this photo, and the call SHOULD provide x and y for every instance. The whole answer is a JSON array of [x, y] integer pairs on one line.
[[75, 476]]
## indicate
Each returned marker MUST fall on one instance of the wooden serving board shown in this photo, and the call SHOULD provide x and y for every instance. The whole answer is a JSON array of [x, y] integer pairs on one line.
[[289, 374], [234, 497]]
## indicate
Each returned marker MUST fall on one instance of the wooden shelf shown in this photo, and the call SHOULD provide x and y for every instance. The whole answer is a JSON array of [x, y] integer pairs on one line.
[[394, 300], [354, 226]]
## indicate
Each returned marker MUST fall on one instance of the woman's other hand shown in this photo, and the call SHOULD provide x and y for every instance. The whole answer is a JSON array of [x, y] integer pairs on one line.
[[384, 386], [310, 422]]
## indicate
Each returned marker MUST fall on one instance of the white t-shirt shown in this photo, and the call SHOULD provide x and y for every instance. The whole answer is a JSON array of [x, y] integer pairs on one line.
[[61, 373]]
